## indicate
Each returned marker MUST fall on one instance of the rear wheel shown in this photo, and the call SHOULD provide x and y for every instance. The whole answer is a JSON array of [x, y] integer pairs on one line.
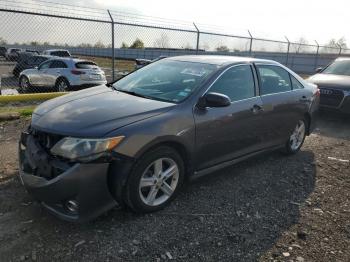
[[297, 138], [155, 180], [24, 85], [62, 85]]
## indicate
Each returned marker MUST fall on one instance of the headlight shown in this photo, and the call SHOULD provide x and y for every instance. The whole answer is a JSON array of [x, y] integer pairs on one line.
[[84, 149]]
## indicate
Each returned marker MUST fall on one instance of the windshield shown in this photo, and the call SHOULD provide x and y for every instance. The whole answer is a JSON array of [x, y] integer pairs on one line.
[[166, 80], [340, 67]]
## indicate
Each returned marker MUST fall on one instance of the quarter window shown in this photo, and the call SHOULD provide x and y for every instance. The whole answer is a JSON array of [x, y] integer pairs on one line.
[[273, 79], [237, 83], [295, 83]]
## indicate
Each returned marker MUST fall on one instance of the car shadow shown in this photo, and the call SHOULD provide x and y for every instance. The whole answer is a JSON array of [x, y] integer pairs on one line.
[[333, 124], [244, 208]]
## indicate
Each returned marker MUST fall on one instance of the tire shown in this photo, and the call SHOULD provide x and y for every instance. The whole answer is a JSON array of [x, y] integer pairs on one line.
[[138, 196], [297, 138], [24, 85], [62, 85]]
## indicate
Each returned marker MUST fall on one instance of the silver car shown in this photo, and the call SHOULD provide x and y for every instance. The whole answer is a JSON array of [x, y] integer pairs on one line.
[[62, 74]]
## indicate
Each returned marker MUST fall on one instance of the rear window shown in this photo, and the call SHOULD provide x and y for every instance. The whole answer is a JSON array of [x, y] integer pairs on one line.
[[85, 65], [61, 53]]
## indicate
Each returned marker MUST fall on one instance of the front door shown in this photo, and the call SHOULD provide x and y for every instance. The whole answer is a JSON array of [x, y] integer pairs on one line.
[[39, 77], [223, 134]]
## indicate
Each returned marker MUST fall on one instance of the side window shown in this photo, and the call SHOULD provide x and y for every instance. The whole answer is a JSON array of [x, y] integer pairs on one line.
[[45, 65], [58, 64], [273, 79], [237, 83], [295, 83]]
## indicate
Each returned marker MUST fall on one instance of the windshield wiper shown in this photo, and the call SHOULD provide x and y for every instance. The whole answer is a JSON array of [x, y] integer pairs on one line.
[[133, 93]]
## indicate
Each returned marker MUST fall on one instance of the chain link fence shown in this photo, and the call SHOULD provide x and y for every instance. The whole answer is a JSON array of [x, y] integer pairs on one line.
[[106, 45]]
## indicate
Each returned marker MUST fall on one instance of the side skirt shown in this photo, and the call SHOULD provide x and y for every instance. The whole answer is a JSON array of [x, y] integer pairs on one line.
[[206, 171]]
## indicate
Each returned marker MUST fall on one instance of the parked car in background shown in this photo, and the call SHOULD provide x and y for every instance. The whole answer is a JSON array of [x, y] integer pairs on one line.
[[28, 62], [137, 141], [3, 51], [62, 74], [12, 54], [143, 62], [334, 84], [57, 52]]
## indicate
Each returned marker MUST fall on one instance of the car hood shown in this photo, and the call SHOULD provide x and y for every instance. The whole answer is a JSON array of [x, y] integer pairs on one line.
[[332, 81], [94, 112]]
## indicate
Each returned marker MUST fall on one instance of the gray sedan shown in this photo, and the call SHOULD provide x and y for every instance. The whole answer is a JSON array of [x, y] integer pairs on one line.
[[137, 141], [61, 74]]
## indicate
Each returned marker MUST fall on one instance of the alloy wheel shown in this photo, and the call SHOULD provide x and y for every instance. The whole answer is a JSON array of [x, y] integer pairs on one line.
[[159, 181], [62, 86], [24, 83], [297, 137]]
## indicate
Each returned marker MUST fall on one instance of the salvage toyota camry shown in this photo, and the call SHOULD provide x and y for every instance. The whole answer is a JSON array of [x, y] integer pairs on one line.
[[135, 142]]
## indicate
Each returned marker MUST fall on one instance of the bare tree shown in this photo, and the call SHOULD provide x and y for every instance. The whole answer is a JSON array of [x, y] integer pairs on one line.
[[300, 45], [222, 48], [187, 46], [3, 41], [334, 45], [162, 41], [99, 44]]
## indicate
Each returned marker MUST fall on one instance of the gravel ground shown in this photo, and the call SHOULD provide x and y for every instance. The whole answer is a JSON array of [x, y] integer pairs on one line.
[[271, 207]]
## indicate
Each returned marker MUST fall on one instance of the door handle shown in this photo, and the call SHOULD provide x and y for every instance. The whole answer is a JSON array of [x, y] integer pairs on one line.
[[257, 109]]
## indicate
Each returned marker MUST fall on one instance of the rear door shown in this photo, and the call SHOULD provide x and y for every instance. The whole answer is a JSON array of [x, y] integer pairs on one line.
[[54, 71], [223, 134], [281, 105]]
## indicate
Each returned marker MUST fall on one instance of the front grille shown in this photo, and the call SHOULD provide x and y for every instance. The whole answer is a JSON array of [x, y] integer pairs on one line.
[[331, 97], [37, 159], [45, 140]]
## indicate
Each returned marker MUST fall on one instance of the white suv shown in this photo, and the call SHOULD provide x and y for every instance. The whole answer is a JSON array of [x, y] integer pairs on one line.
[[62, 74]]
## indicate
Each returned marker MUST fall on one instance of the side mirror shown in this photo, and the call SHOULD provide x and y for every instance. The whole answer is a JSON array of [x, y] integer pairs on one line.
[[36, 67], [213, 100], [318, 70]]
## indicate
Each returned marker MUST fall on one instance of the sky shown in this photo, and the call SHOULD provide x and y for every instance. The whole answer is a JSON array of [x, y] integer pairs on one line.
[[269, 19], [313, 20]]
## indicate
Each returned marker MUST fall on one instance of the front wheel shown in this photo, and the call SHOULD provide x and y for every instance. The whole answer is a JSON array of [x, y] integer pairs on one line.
[[154, 180], [24, 85], [297, 138]]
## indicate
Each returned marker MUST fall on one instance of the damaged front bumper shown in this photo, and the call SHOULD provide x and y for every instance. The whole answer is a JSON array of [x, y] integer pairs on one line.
[[72, 191]]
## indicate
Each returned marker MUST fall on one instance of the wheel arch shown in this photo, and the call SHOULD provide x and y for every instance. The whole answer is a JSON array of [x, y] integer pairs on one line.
[[179, 147], [117, 183], [61, 78]]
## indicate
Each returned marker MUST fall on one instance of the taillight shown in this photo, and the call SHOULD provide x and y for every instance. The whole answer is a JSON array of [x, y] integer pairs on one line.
[[318, 93], [77, 72]]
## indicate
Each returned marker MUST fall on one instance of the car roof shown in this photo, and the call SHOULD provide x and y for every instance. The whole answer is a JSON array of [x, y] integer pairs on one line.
[[219, 60], [342, 58], [68, 59], [56, 50], [46, 56]]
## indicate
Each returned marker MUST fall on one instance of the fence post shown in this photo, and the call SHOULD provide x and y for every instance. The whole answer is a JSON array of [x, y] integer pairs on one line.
[[251, 43], [317, 54], [288, 49], [113, 47], [340, 49], [198, 33]]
